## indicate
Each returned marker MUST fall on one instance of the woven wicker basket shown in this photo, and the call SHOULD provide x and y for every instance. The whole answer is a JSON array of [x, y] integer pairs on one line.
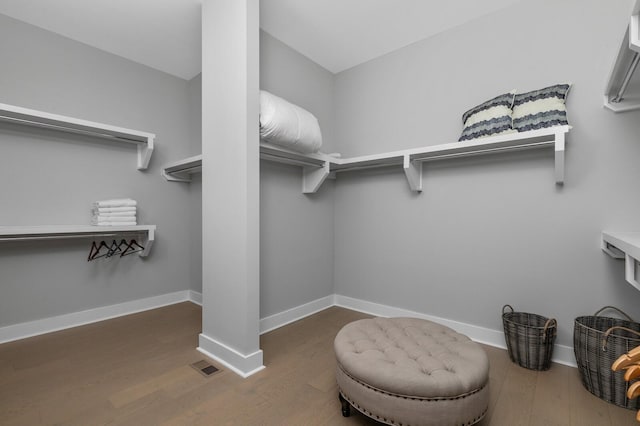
[[529, 338], [597, 342]]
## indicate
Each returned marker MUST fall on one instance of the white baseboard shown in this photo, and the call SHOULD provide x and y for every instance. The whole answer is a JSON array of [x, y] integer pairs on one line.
[[248, 365], [241, 364], [61, 322], [195, 297], [294, 314], [564, 355], [561, 354]]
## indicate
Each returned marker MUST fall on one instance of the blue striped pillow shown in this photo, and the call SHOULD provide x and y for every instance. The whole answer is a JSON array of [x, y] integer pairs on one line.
[[492, 117], [541, 108]]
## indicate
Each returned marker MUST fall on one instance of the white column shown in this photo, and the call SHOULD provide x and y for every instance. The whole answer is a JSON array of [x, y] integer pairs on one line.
[[230, 184]]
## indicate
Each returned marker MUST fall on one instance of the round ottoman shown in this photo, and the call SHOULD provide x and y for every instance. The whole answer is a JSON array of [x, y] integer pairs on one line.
[[409, 371]]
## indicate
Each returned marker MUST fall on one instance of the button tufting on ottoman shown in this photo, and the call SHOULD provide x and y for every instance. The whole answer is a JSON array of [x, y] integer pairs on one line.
[[409, 371]]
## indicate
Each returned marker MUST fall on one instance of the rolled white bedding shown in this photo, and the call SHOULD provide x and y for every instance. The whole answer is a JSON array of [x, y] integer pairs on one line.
[[285, 124]]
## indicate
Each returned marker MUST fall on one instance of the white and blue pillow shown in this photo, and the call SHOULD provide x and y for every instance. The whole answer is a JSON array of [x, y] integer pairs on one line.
[[541, 108], [490, 118]]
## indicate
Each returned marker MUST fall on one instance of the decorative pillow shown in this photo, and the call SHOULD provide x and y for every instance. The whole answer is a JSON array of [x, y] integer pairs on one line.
[[541, 108], [492, 117]]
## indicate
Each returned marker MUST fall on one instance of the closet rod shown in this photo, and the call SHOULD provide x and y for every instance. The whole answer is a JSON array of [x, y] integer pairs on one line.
[[627, 78], [69, 129], [65, 237], [287, 160], [185, 169], [485, 151]]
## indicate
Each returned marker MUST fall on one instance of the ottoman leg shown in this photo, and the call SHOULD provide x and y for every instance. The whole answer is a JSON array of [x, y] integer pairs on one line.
[[346, 407]]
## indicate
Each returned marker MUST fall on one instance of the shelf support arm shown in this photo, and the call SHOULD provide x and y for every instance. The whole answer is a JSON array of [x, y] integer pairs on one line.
[[313, 177], [176, 177], [151, 233], [144, 154], [413, 172], [630, 271], [634, 33], [612, 250], [559, 157]]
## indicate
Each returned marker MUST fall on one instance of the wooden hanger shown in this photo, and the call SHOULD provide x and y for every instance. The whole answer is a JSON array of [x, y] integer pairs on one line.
[[627, 360], [632, 372], [634, 390]]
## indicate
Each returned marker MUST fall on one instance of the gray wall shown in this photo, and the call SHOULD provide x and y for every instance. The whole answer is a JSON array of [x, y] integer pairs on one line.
[[296, 230], [484, 232], [50, 178], [489, 230]]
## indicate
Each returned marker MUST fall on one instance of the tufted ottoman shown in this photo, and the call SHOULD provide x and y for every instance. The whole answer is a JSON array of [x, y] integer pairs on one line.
[[408, 371]]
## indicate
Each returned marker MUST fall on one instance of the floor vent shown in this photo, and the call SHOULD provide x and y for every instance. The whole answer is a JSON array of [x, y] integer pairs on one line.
[[204, 368]]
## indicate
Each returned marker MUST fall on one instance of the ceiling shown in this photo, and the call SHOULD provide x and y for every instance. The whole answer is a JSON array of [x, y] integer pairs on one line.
[[165, 34]]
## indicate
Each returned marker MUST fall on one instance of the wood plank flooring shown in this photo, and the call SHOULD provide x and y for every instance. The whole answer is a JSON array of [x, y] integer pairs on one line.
[[135, 370]]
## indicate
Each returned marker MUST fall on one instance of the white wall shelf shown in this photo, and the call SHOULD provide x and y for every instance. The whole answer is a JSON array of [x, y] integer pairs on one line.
[[624, 245], [60, 232], [623, 90], [181, 170], [33, 118], [317, 167], [411, 159]]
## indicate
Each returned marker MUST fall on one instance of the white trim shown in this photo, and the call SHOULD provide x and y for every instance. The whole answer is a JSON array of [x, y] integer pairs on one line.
[[241, 364], [75, 319], [561, 354], [294, 314], [195, 297], [253, 362]]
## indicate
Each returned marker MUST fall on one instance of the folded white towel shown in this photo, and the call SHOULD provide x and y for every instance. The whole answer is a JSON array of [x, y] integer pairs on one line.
[[128, 213], [101, 218], [101, 210], [106, 223], [119, 202]]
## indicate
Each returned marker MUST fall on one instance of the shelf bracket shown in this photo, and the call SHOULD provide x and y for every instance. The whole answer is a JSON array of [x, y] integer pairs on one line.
[[144, 154], [612, 250], [559, 160], [176, 177], [630, 271], [634, 33], [313, 177], [151, 236], [413, 172], [630, 263]]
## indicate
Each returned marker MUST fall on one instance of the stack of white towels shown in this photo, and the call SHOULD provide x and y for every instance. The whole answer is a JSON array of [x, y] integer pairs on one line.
[[117, 212]]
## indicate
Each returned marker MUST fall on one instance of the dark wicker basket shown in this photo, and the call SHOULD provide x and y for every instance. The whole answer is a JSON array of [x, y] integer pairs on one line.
[[529, 338], [597, 343]]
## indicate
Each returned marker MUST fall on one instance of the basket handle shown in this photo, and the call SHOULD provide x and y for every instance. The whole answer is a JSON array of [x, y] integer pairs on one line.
[[615, 309], [505, 307], [551, 322], [608, 332]]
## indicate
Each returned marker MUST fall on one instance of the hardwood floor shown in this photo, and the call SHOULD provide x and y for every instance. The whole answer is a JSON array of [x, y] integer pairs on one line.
[[135, 370]]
